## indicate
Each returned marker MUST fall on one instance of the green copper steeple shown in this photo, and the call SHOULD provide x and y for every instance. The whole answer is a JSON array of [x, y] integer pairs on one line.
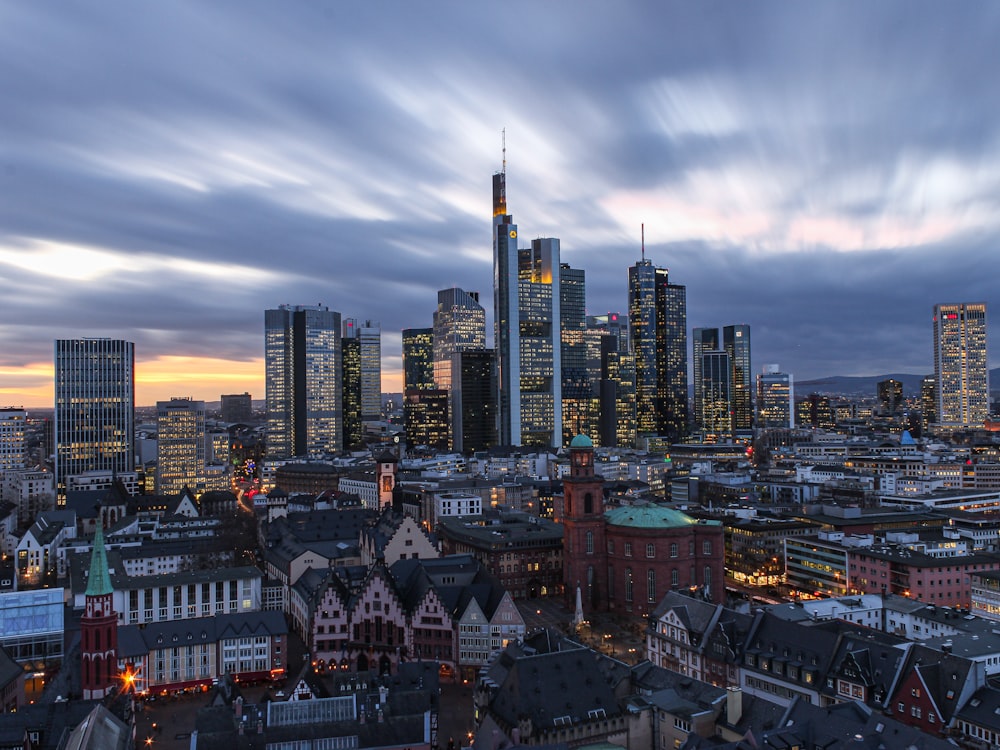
[[99, 581]]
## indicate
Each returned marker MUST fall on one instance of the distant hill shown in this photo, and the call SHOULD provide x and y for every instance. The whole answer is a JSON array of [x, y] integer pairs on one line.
[[867, 386]]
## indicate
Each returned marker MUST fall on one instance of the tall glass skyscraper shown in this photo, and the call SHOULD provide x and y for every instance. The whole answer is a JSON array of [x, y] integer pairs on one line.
[[658, 334], [302, 361], [580, 402], [960, 364], [736, 342], [180, 446], [703, 340], [459, 324], [94, 407], [527, 319], [418, 359], [369, 333]]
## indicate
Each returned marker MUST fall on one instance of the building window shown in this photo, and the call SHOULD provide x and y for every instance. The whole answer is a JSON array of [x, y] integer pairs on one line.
[[628, 549], [675, 577], [650, 550], [651, 586], [590, 542], [673, 549], [611, 546], [708, 576], [628, 584], [706, 547]]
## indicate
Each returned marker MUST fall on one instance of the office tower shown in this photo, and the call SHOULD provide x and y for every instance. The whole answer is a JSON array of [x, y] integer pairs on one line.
[[369, 334], [425, 418], [237, 408], [736, 342], [814, 411], [12, 423], [526, 304], [473, 400], [775, 398], [425, 407], [617, 424], [658, 334], [702, 340], [716, 390], [579, 414], [350, 402], [418, 359], [180, 446], [963, 389], [302, 361], [459, 324], [890, 397], [94, 407], [928, 401]]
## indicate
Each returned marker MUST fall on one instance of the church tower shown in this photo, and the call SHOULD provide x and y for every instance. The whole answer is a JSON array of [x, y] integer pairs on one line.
[[99, 626], [585, 563], [386, 479]]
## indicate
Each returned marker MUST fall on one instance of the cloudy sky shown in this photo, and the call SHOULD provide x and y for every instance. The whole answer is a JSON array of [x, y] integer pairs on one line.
[[825, 172]]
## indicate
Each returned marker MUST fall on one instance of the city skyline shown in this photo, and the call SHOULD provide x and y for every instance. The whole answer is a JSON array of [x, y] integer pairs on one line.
[[825, 175]]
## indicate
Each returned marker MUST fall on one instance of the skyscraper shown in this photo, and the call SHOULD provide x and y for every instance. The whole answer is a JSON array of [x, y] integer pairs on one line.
[[658, 334], [350, 401], [775, 398], [736, 342], [425, 407], [369, 334], [237, 407], [960, 369], [703, 340], [302, 361], [180, 446], [526, 303], [418, 359], [459, 324], [890, 397], [581, 406], [716, 391], [94, 407], [473, 400]]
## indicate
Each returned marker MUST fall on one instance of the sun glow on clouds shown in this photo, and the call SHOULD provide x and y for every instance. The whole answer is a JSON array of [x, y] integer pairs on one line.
[[30, 385], [81, 263]]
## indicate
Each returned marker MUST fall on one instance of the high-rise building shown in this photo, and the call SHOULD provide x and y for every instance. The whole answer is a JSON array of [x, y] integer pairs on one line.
[[928, 401], [716, 390], [960, 364], [658, 334], [473, 400], [526, 302], [94, 407], [425, 418], [775, 398], [237, 408], [890, 397], [418, 359], [736, 342], [180, 446], [369, 333], [703, 340], [12, 424], [459, 324], [302, 360], [581, 405], [350, 402]]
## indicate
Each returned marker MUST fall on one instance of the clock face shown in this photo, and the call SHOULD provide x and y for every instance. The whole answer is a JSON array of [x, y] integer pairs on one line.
[[513, 234]]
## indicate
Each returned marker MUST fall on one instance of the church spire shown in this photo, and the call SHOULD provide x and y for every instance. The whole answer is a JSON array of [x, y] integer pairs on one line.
[[99, 580]]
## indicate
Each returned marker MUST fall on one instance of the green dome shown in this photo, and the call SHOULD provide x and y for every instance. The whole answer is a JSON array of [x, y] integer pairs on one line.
[[582, 441], [648, 517]]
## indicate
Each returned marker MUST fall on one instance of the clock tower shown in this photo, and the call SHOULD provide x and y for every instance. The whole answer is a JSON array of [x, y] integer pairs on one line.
[[99, 626], [584, 546]]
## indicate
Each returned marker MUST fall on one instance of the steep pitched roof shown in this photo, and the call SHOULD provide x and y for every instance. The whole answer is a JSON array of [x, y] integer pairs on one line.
[[99, 580]]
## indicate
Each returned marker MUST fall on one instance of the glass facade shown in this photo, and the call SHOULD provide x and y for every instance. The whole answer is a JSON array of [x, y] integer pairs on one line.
[[775, 396], [960, 364], [658, 334], [180, 446], [302, 361], [94, 407], [418, 359]]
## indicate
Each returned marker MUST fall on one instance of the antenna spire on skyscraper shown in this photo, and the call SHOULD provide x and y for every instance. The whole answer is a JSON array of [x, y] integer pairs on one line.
[[643, 230], [503, 144]]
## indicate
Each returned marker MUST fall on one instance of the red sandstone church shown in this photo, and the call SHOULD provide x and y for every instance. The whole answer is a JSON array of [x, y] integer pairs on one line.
[[626, 559]]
